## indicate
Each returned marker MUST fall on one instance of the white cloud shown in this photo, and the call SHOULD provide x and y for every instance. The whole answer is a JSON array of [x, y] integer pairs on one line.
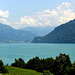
[[63, 13], [64, 5], [3, 17], [4, 21], [27, 20], [4, 14]]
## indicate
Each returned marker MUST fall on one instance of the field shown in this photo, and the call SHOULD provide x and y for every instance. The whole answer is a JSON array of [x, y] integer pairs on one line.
[[19, 71]]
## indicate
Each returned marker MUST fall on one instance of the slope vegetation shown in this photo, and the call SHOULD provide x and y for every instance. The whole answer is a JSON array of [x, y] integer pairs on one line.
[[9, 34], [64, 33], [20, 71]]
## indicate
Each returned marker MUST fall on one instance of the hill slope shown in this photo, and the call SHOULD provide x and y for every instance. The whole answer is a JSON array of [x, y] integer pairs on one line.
[[64, 33], [8, 34], [20, 71], [39, 31]]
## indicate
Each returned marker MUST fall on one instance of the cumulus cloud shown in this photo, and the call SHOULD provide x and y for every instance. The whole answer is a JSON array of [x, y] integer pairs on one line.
[[3, 16], [63, 13], [4, 21], [27, 20]]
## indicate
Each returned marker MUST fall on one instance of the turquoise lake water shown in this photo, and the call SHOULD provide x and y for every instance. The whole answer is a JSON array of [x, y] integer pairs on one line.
[[8, 52]]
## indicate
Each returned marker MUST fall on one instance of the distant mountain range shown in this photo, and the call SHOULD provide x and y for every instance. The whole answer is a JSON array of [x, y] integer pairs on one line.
[[27, 34], [64, 33], [38, 31], [8, 34]]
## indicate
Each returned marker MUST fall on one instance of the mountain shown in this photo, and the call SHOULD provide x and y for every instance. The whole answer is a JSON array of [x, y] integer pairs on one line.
[[64, 33], [8, 34], [39, 31]]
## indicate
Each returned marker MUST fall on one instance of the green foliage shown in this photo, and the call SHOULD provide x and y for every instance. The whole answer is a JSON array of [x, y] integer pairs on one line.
[[19, 63], [72, 69], [21, 71], [46, 72], [62, 64], [34, 64], [1, 63], [59, 66], [48, 63], [40, 64], [64, 33], [2, 68], [67, 70]]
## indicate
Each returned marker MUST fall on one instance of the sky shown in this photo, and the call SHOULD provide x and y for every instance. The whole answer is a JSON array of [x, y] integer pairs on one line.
[[25, 13]]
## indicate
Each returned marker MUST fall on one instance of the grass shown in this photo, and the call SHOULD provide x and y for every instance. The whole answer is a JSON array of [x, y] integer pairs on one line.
[[20, 71]]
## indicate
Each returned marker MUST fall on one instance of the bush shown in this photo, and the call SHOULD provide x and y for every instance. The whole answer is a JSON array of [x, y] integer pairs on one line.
[[19, 63], [72, 69], [47, 72], [2, 68], [59, 66], [62, 64], [40, 64], [1, 63], [34, 64], [48, 63]]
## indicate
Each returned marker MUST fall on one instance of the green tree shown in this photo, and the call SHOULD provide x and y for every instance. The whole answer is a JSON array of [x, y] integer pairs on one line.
[[72, 69], [61, 64], [48, 64], [2, 68], [19, 63], [1, 63], [34, 64], [47, 72]]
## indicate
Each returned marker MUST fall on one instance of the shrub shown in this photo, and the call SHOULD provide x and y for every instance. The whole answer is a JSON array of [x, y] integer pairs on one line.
[[62, 64], [19, 63], [1, 63], [72, 69], [2, 68], [48, 63], [47, 72], [34, 64]]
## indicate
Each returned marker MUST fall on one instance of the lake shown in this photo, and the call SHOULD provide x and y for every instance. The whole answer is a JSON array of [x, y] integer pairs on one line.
[[8, 52]]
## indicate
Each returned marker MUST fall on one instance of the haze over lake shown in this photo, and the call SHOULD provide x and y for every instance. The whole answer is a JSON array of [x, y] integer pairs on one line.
[[8, 52]]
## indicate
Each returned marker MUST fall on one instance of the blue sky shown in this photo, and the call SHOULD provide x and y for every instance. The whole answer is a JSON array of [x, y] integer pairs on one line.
[[23, 13]]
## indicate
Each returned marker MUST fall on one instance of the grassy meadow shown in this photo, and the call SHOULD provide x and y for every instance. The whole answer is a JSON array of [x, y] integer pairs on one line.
[[20, 71]]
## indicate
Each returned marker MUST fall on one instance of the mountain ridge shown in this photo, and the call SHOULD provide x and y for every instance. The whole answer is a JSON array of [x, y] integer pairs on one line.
[[64, 33], [39, 31], [9, 35]]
